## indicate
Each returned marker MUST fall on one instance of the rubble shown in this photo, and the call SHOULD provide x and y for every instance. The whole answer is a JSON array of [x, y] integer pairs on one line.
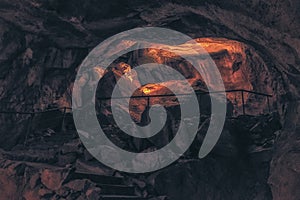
[[48, 169]]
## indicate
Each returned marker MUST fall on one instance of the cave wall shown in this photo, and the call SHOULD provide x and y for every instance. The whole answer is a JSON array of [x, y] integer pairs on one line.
[[40, 40], [47, 35]]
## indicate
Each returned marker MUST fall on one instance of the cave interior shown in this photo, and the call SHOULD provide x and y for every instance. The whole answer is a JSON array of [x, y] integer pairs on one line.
[[255, 46]]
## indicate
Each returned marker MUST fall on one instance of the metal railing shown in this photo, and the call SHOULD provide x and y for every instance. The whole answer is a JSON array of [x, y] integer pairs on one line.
[[38, 115], [198, 94], [62, 111]]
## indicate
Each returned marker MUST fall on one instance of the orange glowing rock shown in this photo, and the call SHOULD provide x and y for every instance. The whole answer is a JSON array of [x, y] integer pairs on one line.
[[146, 91]]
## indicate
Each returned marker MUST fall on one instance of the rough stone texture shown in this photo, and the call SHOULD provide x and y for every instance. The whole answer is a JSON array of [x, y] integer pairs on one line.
[[53, 179], [42, 43], [32, 181], [65, 36], [285, 172], [232, 171]]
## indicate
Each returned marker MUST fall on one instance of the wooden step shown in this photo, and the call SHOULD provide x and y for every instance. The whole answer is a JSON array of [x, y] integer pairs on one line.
[[59, 138], [99, 179], [108, 189], [120, 197]]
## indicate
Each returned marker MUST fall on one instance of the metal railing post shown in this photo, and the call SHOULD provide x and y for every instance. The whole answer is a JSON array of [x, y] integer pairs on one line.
[[63, 120], [29, 127], [148, 101], [100, 107], [199, 94], [243, 102], [269, 107]]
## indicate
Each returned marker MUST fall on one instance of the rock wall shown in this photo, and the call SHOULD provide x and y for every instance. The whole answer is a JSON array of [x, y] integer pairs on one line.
[[42, 43], [237, 168]]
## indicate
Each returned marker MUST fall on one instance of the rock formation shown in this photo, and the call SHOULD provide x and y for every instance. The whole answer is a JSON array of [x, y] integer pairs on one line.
[[43, 42]]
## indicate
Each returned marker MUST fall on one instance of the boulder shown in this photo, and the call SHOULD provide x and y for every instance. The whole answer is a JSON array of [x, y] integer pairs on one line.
[[93, 193], [79, 185], [54, 178]]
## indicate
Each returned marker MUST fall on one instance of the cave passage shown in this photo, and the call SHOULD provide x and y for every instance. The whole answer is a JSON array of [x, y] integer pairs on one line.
[[241, 68]]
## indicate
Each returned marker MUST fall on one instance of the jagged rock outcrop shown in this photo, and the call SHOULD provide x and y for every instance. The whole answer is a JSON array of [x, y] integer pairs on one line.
[[43, 42], [43, 169], [21, 180]]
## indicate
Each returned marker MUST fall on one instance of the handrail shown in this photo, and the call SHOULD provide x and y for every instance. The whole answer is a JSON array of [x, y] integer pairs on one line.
[[36, 112], [32, 114], [197, 92], [148, 96]]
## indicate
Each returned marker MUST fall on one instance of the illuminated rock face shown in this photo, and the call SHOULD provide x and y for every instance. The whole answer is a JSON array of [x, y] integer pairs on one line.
[[39, 60], [237, 64]]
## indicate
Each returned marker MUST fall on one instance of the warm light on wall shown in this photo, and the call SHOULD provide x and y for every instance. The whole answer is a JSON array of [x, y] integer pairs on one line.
[[146, 91], [229, 56]]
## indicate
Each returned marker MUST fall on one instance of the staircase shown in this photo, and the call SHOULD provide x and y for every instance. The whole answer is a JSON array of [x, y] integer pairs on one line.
[[112, 188]]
